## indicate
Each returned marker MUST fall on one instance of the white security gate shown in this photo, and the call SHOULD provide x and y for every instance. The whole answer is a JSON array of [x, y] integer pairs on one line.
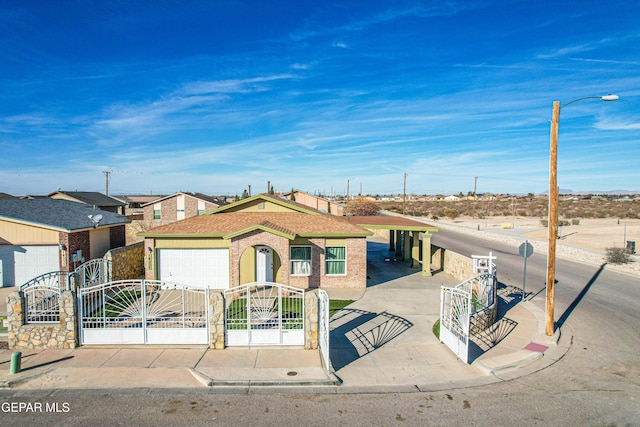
[[323, 328], [264, 314], [455, 316], [92, 273], [143, 312], [201, 268]]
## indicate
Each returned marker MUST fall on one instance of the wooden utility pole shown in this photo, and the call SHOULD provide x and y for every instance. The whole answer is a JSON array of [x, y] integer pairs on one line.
[[475, 183], [553, 220], [404, 195], [106, 174]]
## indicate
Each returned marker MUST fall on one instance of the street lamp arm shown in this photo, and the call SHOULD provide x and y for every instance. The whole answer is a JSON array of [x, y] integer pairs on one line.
[[602, 98]]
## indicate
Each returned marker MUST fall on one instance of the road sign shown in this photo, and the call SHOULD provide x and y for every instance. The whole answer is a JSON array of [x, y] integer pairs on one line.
[[525, 250]]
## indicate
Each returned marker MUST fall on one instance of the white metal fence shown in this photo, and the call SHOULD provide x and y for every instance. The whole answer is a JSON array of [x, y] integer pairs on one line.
[[458, 304], [143, 312], [264, 314], [323, 328], [42, 297]]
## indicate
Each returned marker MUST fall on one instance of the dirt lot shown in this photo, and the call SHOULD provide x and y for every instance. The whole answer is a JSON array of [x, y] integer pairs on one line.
[[597, 234]]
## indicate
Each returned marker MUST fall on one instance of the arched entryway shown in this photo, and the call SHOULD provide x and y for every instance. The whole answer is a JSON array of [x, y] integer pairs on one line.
[[260, 263]]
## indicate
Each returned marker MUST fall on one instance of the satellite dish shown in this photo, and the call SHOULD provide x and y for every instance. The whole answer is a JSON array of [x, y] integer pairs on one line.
[[95, 219]]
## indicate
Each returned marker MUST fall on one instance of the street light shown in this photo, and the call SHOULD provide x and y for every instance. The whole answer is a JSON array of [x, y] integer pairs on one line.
[[553, 207]]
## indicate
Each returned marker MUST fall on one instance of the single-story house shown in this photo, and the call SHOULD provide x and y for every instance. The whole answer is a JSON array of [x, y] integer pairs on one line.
[[134, 202], [179, 206], [38, 236], [316, 202], [260, 238], [91, 198]]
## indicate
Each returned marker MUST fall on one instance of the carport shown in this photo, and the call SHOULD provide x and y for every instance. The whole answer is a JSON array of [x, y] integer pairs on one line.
[[405, 236]]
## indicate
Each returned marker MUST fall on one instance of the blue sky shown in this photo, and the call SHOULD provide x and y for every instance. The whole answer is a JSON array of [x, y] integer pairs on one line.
[[214, 96]]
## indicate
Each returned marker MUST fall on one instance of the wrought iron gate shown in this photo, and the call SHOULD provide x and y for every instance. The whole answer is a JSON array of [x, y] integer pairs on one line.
[[455, 316], [264, 314], [323, 328], [143, 312], [92, 273]]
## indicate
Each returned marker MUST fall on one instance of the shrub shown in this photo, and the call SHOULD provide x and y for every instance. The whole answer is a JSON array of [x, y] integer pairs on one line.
[[575, 221], [544, 222], [435, 217], [618, 256], [451, 213]]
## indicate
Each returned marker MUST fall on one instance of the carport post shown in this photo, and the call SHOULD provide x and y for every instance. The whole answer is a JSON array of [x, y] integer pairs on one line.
[[407, 246], [392, 246], [398, 244], [426, 254]]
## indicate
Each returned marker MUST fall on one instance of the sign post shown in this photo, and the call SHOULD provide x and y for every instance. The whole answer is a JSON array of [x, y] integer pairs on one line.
[[525, 250]]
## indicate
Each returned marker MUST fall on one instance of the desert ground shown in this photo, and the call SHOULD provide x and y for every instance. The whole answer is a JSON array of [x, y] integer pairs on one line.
[[596, 234]]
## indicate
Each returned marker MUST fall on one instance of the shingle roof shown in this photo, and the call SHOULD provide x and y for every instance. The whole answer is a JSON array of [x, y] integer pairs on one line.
[[92, 198], [289, 223], [56, 213]]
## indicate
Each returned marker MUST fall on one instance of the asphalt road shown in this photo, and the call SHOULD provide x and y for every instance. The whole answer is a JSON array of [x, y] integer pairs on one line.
[[596, 383]]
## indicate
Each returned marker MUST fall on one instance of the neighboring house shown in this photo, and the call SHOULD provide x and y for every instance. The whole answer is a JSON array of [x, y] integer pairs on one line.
[[261, 238], [134, 202], [179, 206], [319, 203], [452, 198], [38, 236], [91, 198]]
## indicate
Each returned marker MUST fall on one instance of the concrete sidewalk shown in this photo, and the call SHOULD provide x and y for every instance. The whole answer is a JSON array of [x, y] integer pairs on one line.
[[383, 342]]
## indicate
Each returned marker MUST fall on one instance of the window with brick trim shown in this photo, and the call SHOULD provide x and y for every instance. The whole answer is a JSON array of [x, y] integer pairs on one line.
[[300, 257], [335, 260], [156, 214]]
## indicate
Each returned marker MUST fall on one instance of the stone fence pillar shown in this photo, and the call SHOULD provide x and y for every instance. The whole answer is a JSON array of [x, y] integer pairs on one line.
[[15, 317], [216, 320], [311, 319]]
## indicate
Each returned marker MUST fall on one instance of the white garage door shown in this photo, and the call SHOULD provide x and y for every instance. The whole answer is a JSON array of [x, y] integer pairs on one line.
[[199, 268], [22, 263]]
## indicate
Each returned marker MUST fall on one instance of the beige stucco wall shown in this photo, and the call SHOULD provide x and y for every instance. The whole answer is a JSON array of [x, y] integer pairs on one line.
[[99, 242]]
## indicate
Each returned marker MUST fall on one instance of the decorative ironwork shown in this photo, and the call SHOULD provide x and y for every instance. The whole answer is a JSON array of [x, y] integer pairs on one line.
[[42, 297], [92, 273], [323, 328], [264, 314], [460, 303], [143, 312]]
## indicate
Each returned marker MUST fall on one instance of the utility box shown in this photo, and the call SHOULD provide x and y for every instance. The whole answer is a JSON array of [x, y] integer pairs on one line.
[[631, 247]]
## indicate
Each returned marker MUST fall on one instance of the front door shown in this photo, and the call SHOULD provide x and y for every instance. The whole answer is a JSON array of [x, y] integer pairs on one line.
[[264, 264]]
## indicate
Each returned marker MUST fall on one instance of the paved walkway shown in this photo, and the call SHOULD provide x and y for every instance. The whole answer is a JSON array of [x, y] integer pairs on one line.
[[382, 342]]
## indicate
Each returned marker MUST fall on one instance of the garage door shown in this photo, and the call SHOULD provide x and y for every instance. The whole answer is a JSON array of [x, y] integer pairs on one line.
[[22, 263], [199, 268]]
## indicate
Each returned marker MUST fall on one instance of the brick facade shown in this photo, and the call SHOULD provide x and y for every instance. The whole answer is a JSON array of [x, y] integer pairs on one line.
[[117, 236], [169, 209], [356, 276]]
